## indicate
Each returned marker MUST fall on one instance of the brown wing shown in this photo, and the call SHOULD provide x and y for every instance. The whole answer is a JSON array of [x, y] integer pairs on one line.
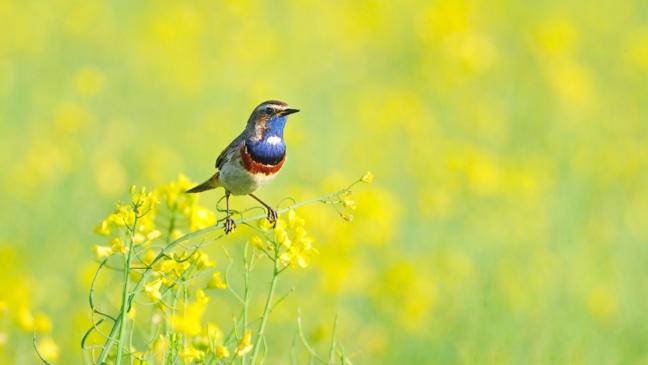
[[232, 148]]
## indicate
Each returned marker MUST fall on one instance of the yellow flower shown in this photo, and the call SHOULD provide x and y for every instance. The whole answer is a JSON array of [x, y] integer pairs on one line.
[[181, 267], [123, 215], [138, 238], [164, 266], [173, 193], [176, 233], [118, 245], [160, 346], [294, 219], [202, 260], [131, 313], [176, 265], [135, 275], [295, 240], [222, 351], [348, 203], [282, 236], [298, 256], [101, 252], [217, 281], [201, 297], [140, 358], [257, 242], [190, 353], [214, 332], [286, 258], [42, 323], [200, 218], [145, 200], [265, 224], [152, 290], [148, 257], [153, 235], [48, 349], [29, 322], [4, 308], [25, 319], [103, 228], [190, 322], [245, 345], [367, 177]]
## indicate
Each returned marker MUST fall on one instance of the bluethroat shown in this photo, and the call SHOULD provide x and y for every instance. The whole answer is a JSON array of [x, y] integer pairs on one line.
[[253, 158]]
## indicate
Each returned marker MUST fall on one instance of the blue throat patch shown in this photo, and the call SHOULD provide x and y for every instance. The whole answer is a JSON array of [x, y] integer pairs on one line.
[[271, 149]]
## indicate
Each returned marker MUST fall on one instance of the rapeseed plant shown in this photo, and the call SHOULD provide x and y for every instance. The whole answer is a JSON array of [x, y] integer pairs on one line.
[[155, 244], [509, 224]]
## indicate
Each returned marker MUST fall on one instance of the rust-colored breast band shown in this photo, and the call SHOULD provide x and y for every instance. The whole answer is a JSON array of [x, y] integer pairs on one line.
[[255, 167]]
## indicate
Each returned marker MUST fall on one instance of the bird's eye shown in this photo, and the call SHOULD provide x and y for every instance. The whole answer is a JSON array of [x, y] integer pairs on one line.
[[269, 110]]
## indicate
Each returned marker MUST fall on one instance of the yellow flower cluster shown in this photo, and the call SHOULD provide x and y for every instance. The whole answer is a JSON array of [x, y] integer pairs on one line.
[[290, 238], [190, 322], [185, 205], [245, 345], [138, 226], [31, 323], [201, 339], [367, 177], [173, 275], [136, 220], [208, 341], [169, 271]]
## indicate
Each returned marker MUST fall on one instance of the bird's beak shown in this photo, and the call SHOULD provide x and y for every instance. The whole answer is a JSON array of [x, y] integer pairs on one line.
[[288, 111]]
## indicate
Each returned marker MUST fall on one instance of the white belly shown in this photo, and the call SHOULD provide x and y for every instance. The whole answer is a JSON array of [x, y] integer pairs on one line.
[[239, 181]]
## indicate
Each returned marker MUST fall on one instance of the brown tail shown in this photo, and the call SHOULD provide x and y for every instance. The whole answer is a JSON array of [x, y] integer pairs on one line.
[[211, 183]]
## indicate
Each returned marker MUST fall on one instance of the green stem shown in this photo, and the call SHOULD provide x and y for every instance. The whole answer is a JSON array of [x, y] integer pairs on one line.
[[268, 305], [125, 294], [333, 339], [110, 341], [246, 277]]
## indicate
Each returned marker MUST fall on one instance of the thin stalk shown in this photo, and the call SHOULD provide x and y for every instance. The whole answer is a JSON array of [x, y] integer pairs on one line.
[[185, 299], [312, 353], [246, 292], [110, 341], [268, 305], [125, 292], [333, 340]]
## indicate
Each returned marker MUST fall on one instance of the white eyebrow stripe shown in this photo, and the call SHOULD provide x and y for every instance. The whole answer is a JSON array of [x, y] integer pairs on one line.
[[274, 106]]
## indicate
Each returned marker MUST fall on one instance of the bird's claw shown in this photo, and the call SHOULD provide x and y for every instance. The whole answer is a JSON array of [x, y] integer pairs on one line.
[[272, 217], [229, 225]]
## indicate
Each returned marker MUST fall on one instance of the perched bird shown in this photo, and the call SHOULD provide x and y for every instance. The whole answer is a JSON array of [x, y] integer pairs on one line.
[[253, 158]]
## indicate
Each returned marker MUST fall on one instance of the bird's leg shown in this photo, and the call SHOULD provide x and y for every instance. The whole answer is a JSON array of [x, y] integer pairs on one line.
[[229, 222], [272, 214]]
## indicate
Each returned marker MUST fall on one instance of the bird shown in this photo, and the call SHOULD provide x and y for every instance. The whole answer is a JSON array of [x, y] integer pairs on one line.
[[252, 159]]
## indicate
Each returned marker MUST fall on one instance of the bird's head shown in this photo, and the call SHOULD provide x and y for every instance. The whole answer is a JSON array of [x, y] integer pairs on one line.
[[265, 127], [269, 118]]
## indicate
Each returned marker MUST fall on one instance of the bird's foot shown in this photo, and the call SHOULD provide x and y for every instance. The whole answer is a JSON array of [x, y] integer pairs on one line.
[[229, 225], [272, 217]]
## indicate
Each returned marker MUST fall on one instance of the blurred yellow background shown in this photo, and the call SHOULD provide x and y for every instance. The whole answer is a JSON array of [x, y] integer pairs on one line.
[[508, 221]]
